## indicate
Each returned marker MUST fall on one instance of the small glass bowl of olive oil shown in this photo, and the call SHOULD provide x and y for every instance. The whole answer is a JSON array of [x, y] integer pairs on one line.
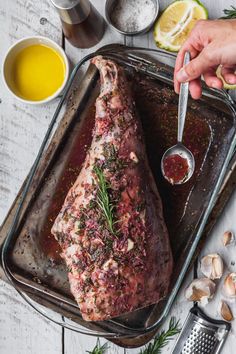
[[35, 70]]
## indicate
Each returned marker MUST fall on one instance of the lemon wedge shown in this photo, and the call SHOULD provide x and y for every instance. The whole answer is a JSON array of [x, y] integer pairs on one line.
[[226, 85], [176, 22]]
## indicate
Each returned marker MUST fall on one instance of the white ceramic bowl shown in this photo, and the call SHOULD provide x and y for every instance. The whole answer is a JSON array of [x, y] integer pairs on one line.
[[16, 48]]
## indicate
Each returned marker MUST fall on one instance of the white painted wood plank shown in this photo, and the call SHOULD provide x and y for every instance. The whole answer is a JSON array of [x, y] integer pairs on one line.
[[22, 127], [22, 330]]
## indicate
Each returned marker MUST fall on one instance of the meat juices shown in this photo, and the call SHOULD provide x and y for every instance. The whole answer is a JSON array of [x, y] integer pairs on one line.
[[111, 227]]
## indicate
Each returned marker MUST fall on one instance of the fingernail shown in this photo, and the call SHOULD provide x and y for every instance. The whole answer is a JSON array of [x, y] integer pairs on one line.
[[182, 76]]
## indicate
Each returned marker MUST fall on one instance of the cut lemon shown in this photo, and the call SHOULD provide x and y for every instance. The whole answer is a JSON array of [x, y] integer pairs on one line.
[[226, 85], [176, 22]]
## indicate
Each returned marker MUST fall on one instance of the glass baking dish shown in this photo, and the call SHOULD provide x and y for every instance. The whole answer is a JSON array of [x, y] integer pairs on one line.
[[30, 255]]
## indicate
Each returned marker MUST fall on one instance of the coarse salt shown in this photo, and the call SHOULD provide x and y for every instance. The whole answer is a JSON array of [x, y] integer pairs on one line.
[[133, 15]]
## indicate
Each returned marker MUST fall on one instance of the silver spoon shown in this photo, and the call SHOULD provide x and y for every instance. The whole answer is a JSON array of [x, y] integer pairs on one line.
[[179, 149]]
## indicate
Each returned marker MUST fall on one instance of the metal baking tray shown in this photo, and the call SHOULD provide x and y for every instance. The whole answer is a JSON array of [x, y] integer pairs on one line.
[[30, 255]]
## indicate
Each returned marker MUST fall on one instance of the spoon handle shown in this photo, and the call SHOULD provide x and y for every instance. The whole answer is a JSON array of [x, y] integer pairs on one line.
[[183, 103]]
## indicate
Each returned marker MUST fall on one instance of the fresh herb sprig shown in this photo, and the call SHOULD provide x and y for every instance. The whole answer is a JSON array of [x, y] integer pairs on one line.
[[162, 339], [229, 13], [154, 347], [99, 349], [104, 200]]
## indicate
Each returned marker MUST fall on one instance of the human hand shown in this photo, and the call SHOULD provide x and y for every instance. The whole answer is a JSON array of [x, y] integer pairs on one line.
[[210, 44]]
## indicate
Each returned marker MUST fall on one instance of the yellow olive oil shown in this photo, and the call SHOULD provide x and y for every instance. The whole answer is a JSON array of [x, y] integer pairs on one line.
[[38, 72]]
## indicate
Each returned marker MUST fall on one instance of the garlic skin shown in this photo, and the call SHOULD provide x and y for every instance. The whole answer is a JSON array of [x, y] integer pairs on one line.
[[212, 266], [229, 287], [228, 238], [226, 312], [200, 290]]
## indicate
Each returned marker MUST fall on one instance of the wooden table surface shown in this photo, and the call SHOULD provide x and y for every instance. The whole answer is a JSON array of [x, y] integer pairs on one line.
[[22, 128]]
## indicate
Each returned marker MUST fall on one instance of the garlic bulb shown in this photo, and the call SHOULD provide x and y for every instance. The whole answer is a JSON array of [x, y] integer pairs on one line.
[[228, 238], [229, 287], [200, 290], [226, 312], [212, 266]]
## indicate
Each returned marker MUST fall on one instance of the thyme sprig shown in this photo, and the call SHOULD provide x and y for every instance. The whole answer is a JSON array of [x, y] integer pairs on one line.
[[229, 13], [104, 201], [162, 338], [99, 349]]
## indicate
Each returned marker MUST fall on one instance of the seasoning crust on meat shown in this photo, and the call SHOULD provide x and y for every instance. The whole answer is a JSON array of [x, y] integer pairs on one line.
[[111, 228]]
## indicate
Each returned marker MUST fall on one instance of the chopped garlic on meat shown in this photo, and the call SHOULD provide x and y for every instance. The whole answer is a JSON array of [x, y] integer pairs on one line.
[[110, 264], [130, 245], [62, 226], [71, 250], [133, 157]]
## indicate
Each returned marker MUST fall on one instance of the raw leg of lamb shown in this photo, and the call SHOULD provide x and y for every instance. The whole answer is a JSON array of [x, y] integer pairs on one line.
[[111, 228]]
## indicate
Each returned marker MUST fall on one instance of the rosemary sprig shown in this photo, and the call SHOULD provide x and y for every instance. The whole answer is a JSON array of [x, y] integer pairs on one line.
[[158, 343], [162, 339], [229, 13], [99, 349], [103, 199]]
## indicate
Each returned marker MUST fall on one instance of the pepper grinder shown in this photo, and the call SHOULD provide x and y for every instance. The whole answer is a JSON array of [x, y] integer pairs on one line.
[[82, 24]]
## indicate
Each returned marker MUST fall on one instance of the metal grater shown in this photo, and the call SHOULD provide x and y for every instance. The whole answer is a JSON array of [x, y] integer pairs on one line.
[[201, 334]]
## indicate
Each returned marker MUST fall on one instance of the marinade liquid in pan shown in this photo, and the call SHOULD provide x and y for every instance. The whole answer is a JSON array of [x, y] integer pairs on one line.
[[157, 108]]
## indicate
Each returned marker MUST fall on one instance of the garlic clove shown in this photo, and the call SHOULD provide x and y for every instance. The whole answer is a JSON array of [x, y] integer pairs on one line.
[[226, 312], [200, 290], [228, 238], [212, 266], [229, 287]]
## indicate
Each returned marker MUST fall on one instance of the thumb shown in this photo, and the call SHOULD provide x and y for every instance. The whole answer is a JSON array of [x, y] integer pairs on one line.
[[197, 67]]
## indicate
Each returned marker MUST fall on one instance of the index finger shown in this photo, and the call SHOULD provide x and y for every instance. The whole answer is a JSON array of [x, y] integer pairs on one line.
[[178, 65], [180, 60]]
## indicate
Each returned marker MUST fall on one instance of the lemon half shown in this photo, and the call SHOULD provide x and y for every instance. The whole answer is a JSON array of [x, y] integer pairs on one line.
[[176, 22], [226, 85]]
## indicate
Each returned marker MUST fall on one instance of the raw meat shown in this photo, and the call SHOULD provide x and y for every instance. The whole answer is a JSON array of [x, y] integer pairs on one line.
[[111, 228]]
